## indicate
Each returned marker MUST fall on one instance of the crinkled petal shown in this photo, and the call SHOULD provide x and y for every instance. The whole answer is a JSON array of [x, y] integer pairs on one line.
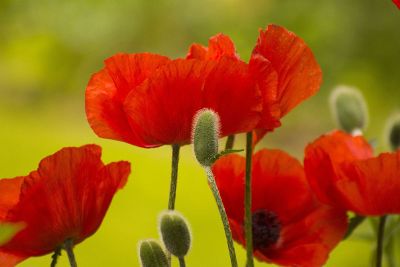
[[219, 46], [397, 3], [9, 194], [10, 260], [107, 91], [322, 160], [298, 72]]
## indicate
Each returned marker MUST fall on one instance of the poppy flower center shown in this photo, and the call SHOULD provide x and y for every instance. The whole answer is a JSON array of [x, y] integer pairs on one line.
[[266, 229]]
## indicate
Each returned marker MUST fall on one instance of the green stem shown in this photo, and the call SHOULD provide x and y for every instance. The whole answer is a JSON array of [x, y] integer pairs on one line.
[[230, 141], [222, 213], [174, 176], [379, 246], [182, 262], [247, 201], [54, 257], [353, 224], [68, 246]]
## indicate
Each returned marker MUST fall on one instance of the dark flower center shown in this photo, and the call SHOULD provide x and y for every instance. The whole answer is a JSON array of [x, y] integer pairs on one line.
[[266, 229]]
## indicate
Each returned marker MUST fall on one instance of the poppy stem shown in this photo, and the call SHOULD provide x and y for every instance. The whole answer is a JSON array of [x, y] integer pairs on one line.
[[379, 246], [174, 176], [230, 141], [247, 201], [68, 246], [182, 262], [222, 213], [54, 257]]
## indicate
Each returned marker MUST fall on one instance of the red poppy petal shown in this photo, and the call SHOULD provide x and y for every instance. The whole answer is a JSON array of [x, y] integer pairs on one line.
[[9, 194], [372, 186], [71, 191], [221, 45], [299, 73], [231, 92], [9, 260], [397, 3], [197, 51], [108, 88], [322, 158], [309, 241], [229, 175], [162, 109], [279, 178]]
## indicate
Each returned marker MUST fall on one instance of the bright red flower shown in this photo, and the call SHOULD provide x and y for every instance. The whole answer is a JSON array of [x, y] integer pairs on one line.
[[343, 173], [149, 100], [298, 74], [66, 198], [397, 3], [290, 228]]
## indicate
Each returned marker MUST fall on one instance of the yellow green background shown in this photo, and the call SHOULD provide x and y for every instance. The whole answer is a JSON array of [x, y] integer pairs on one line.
[[49, 49]]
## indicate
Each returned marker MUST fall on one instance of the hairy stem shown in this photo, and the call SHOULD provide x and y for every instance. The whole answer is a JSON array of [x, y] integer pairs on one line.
[[379, 244], [68, 247], [247, 201], [174, 176]]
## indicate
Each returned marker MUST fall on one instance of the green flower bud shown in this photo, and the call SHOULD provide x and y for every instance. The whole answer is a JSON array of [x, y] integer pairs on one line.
[[205, 136], [349, 109], [175, 233], [151, 254], [393, 131]]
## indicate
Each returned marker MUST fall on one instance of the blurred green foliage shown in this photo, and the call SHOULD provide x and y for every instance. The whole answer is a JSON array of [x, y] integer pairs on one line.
[[50, 48]]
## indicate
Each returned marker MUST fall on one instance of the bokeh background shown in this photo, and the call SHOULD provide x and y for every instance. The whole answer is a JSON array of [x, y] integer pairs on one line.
[[50, 48]]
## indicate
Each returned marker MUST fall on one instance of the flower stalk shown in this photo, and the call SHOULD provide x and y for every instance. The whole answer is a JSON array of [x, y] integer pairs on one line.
[[247, 201], [174, 176], [380, 239], [68, 246]]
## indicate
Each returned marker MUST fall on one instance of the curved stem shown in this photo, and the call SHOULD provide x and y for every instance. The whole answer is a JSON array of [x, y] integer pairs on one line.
[[222, 213], [174, 176], [182, 262], [247, 201], [379, 245], [54, 257], [68, 246], [230, 141]]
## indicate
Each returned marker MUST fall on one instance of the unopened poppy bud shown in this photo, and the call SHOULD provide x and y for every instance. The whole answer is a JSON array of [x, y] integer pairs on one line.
[[151, 254], [175, 233], [349, 109], [393, 132], [205, 136]]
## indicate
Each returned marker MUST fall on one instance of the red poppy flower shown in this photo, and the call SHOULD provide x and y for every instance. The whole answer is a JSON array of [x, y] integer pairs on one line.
[[65, 199], [343, 173], [397, 3], [290, 228], [298, 74], [148, 100]]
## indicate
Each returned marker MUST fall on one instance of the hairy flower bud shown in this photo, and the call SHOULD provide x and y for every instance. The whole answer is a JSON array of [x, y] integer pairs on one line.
[[349, 109], [393, 131], [175, 233], [205, 136], [151, 254]]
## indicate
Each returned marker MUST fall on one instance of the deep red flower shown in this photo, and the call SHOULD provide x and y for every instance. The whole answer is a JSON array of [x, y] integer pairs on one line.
[[149, 100], [290, 228], [298, 74], [65, 199], [397, 3], [343, 173]]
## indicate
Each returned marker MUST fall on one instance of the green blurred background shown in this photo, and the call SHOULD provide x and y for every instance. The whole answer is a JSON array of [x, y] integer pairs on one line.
[[49, 49]]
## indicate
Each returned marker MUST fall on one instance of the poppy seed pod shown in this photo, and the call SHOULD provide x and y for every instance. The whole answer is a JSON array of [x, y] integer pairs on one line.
[[175, 233], [393, 132], [151, 254], [205, 136], [349, 109]]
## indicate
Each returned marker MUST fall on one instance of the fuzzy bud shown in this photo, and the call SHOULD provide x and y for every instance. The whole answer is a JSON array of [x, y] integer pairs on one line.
[[175, 233], [393, 132], [349, 109], [205, 136], [151, 254]]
